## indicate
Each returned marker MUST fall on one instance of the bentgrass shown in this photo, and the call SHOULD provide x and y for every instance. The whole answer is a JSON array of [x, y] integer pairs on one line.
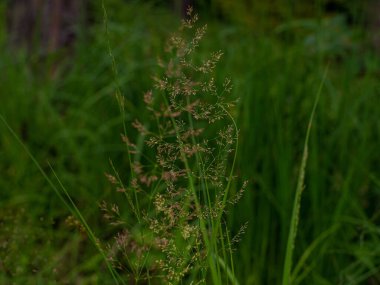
[[210, 224]]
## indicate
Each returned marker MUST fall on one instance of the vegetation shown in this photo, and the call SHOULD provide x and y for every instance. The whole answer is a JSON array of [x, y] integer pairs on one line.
[[285, 198]]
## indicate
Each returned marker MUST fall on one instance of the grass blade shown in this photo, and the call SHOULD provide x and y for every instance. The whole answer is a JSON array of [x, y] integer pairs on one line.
[[286, 277]]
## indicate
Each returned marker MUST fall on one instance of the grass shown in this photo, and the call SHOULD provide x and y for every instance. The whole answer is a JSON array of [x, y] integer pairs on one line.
[[294, 220], [74, 123]]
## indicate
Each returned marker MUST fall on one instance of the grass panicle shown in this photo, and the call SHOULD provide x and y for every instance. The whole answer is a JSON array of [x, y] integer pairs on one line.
[[183, 177]]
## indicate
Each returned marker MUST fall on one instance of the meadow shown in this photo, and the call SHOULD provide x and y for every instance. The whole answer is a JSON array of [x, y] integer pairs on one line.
[[78, 127]]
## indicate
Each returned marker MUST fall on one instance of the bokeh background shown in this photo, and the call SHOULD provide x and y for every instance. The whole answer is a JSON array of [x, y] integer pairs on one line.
[[57, 87]]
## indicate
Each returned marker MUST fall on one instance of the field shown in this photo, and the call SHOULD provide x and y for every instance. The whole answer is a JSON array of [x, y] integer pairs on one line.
[[71, 149]]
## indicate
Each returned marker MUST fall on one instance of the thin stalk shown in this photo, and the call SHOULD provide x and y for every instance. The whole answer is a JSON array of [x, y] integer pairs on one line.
[[214, 274], [230, 253], [230, 275], [205, 188], [230, 178], [120, 100]]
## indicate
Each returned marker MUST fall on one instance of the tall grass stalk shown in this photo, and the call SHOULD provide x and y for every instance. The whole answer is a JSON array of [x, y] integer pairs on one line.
[[286, 278]]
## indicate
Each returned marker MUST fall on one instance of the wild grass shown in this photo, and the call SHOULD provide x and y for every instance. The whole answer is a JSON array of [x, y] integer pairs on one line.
[[73, 122], [178, 189]]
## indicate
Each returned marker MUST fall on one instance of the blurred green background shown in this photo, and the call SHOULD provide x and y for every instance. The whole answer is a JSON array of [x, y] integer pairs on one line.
[[57, 88]]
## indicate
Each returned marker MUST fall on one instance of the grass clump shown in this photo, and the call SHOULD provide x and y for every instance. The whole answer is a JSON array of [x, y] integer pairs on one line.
[[180, 179]]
